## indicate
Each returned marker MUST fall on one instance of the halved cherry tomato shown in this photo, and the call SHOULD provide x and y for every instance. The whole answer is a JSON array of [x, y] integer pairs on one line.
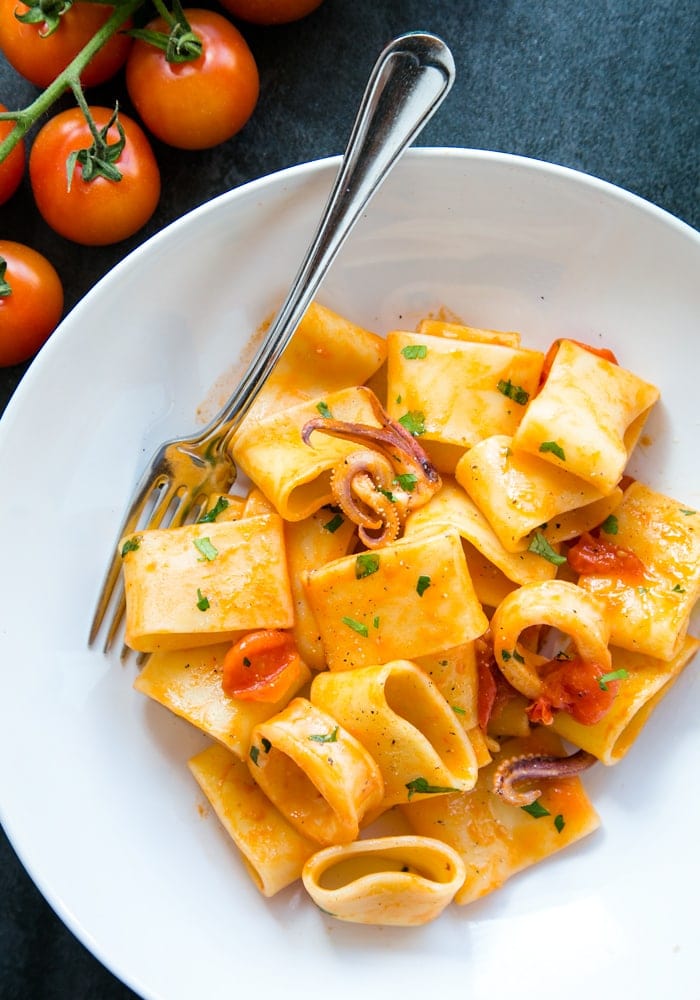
[[202, 102], [39, 56], [270, 11], [574, 686], [31, 301], [262, 666], [99, 211], [12, 167], [599, 557], [600, 352]]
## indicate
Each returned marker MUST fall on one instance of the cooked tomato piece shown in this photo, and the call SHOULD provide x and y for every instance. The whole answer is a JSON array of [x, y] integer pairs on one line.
[[262, 666], [599, 557], [573, 686]]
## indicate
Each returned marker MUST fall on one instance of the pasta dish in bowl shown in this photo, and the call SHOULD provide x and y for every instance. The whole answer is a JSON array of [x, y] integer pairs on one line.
[[414, 681]]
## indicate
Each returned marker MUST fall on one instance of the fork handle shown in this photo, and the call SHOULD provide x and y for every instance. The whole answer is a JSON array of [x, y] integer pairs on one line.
[[410, 79]]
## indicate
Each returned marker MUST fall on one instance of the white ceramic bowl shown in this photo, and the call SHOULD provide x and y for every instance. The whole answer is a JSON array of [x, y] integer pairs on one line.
[[94, 791]]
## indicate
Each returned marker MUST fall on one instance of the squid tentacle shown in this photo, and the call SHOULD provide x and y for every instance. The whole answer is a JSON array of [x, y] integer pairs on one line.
[[534, 767]]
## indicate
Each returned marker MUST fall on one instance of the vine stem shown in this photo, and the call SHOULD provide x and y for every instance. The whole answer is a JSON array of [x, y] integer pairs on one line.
[[68, 79]]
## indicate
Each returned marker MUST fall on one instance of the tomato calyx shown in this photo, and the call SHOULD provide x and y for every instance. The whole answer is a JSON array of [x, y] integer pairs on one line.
[[5, 286], [98, 160], [180, 44], [46, 12]]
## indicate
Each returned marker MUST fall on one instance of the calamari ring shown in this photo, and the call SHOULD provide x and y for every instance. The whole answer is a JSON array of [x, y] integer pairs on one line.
[[556, 603]]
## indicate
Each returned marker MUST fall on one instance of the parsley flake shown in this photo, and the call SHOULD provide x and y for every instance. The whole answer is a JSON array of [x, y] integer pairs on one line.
[[687, 512], [554, 448], [334, 523], [254, 754], [407, 481], [420, 786], [413, 352], [131, 545], [422, 585], [514, 392], [541, 547], [211, 515], [559, 822], [356, 626], [677, 589], [610, 525], [209, 551], [458, 710], [614, 675], [202, 601], [536, 810], [366, 564], [331, 737], [324, 410], [414, 422]]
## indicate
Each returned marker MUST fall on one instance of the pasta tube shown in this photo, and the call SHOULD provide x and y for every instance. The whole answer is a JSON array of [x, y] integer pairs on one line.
[[402, 880], [400, 717], [317, 774], [587, 417], [273, 851]]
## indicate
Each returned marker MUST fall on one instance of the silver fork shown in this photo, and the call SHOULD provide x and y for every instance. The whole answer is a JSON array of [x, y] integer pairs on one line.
[[409, 81]]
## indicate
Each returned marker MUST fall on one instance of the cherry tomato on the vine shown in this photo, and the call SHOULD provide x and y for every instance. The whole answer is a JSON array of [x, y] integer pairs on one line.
[[202, 102], [12, 167], [39, 56], [270, 11], [98, 211], [31, 301]]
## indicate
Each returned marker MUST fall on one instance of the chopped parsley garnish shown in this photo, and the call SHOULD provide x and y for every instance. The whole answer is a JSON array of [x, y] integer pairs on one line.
[[202, 601], [356, 626], [254, 754], [209, 551], [559, 822], [413, 352], [366, 564], [420, 786], [536, 810], [266, 745], [131, 545], [422, 585], [211, 515], [331, 737], [515, 655], [335, 522], [324, 410], [677, 589], [609, 525], [458, 710], [399, 400], [407, 481], [541, 547], [246, 662], [556, 449], [687, 513], [414, 422], [387, 493], [614, 675], [514, 392], [376, 621]]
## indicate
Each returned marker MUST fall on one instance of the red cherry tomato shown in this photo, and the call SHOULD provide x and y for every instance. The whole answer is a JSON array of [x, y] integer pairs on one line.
[[600, 352], [262, 666], [575, 687], [200, 103], [39, 57], [592, 556], [12, 167], [99, 211], [270, 11], [31, 301]]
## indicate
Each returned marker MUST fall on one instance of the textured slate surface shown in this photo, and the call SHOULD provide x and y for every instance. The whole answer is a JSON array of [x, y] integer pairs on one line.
[[610, 87]]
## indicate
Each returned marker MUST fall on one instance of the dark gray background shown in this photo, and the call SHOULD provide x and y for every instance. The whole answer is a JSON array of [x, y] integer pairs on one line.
[[610, 87]]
